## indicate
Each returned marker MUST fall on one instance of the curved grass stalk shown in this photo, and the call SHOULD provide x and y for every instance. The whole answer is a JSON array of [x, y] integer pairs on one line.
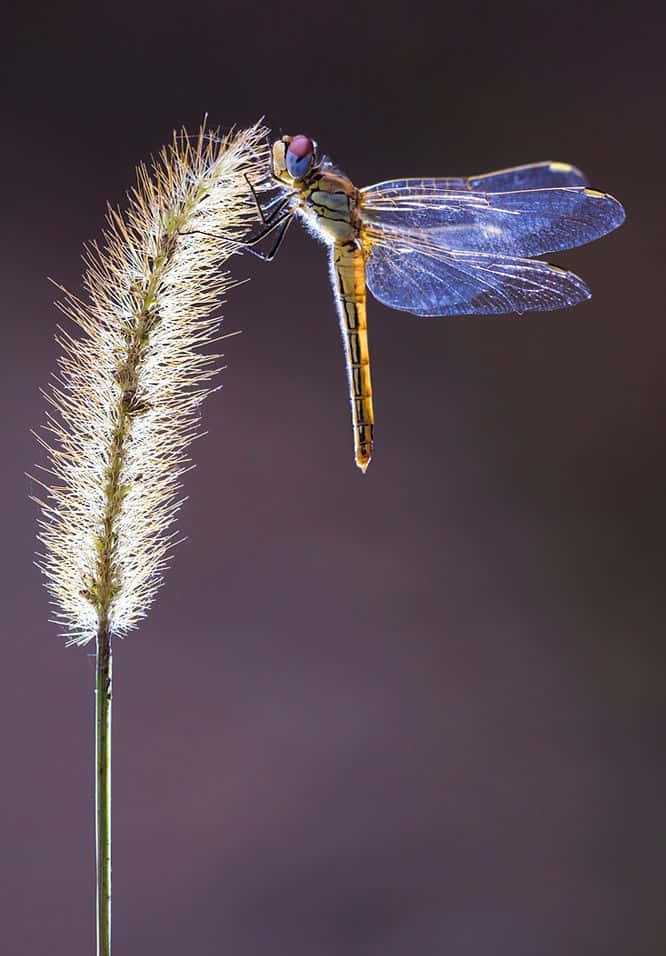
[[126, 406]]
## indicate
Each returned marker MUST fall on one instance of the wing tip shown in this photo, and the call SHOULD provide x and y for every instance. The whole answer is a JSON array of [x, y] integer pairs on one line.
[[616, 211], [570, 290], [576, 291], [572, 173]]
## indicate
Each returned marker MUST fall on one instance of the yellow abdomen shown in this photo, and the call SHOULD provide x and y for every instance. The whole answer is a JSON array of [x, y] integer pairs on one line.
[[348, 278]]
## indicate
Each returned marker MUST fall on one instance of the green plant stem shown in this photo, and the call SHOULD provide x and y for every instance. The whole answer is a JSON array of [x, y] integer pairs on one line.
[[103, 789]]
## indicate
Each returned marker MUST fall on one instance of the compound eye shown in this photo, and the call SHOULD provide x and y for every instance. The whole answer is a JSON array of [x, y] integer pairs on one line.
[[300, 154]]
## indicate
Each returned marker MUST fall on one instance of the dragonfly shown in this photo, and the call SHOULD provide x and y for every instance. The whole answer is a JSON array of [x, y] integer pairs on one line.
[[433, 247]]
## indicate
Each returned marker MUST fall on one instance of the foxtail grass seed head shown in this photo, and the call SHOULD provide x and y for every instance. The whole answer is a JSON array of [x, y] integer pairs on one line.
[[125, 403]]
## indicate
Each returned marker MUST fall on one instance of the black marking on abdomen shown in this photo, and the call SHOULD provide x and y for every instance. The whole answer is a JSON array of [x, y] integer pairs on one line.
[[347, 261]]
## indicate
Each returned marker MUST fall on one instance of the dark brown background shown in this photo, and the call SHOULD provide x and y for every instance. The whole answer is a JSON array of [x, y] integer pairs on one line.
[[419, 712]]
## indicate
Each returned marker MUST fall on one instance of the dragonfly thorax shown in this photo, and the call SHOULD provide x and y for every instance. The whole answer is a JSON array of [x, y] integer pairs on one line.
[[329, 207]]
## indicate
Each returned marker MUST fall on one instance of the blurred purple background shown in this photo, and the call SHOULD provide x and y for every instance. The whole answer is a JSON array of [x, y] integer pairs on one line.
[[415, 713]]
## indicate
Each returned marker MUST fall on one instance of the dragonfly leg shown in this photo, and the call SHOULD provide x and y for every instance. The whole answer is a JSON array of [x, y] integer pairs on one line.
[[269, 256], [283, 221], [265, 215], [278, 242]]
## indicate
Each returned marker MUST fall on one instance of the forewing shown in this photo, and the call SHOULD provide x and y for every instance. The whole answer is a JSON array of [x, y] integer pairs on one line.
[[516, 222], [530, 176], [418, 277]]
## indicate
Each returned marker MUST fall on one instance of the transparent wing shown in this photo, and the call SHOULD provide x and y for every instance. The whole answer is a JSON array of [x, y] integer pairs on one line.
[[530, 176], [416, 276], [515, 222]]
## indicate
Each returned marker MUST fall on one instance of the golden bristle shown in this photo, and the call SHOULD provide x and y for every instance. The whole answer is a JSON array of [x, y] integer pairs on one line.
[[126, 400]]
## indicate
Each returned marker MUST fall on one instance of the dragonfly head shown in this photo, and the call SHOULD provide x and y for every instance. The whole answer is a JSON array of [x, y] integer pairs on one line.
[[293, 157]]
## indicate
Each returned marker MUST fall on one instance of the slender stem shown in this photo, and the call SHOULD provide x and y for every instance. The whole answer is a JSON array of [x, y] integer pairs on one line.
[[103, 789]]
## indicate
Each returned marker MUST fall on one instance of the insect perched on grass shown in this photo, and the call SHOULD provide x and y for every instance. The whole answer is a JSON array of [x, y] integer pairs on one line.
[[434, 246]]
